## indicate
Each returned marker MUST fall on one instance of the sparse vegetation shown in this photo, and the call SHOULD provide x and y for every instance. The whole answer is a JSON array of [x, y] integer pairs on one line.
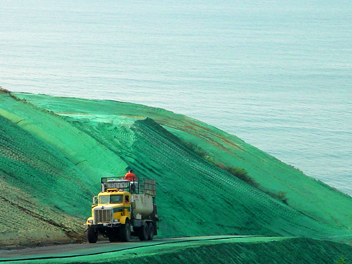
[[296, 168], [281, 196], [198, 150], [240, 173], [2, 90], [341, 260]]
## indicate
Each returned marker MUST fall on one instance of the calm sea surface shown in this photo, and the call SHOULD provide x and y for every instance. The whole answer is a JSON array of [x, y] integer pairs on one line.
[[277, 74]]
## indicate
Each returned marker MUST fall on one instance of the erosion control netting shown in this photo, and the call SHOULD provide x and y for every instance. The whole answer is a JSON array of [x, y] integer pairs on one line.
[[62, 146], [238, 250], [303, 193], [48, 173]]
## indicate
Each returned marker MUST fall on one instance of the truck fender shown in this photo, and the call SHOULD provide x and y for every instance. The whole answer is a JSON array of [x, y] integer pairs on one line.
[[123, 219]]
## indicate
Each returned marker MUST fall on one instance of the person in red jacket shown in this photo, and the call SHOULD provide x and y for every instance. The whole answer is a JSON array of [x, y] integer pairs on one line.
[[130, 176]]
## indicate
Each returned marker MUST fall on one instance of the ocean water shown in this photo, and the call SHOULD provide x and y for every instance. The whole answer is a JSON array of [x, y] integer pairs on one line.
[[275, 73]]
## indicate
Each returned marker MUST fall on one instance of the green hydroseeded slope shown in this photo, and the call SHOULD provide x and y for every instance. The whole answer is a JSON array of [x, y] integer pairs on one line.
[[54, 150]]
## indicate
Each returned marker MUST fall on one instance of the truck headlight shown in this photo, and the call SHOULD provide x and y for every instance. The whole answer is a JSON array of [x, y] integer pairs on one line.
[[116, 220], [90, 221]]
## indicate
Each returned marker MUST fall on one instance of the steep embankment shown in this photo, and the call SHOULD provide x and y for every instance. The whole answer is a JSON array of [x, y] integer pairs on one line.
[[54, 150]]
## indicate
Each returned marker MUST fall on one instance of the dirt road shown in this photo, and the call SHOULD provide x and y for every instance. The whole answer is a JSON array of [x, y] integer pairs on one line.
[[72, 251]]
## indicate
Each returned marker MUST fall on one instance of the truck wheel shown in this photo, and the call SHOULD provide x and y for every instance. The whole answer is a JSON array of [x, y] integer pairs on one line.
[[143, 233], [151, 231], [92, 235], [125, 232]]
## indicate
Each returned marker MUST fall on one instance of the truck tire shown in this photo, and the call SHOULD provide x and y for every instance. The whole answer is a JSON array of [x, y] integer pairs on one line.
[[151, 231], [143, 232], [92, 235], [125, 232]]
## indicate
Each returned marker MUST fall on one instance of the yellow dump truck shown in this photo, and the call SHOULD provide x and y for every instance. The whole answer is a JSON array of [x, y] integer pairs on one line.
[[123, 209]]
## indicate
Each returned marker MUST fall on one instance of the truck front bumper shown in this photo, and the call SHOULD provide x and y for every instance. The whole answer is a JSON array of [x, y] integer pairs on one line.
[[106, 225]]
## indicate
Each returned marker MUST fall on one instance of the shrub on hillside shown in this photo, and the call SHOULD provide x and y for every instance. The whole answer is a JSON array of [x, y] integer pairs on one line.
[[198, 150], [281, 196], [240, 173], [342, 260], [2, 90]]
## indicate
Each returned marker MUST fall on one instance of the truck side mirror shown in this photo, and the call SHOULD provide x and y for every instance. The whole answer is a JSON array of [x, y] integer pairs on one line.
[[95, 200]]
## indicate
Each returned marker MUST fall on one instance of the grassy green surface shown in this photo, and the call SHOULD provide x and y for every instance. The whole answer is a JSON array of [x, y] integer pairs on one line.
[[264, 250], [53, 152]]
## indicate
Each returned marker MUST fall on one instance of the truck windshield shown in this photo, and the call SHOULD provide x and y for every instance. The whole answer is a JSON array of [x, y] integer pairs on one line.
[[116, 198], [106, 199]]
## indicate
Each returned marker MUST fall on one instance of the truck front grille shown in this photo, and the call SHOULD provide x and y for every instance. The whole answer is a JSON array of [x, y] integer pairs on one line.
[[102, 216]]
